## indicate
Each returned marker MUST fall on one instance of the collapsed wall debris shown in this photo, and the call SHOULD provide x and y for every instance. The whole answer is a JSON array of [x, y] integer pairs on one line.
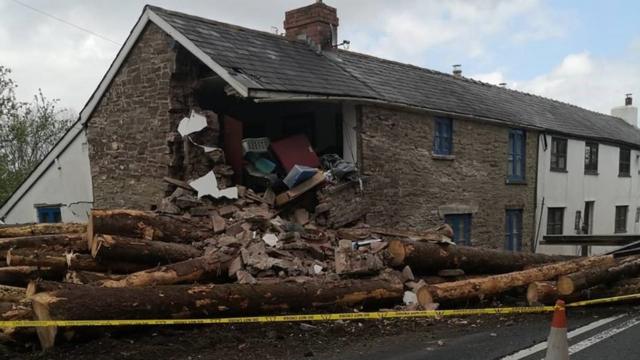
[[290, 237]]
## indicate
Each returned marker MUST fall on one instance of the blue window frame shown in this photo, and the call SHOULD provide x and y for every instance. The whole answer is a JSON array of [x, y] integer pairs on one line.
[[461, 225], [49, 214], [442, 136], [516, 155], [513, 230]]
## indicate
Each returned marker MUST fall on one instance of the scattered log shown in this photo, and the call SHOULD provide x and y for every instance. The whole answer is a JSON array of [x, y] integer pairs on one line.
[[21, 275], [75, 242], [69, 261], [183, 301], [495, 284], [113, 247], [588, 277], [542, 293], [424, 257], [41, 229], [145, 225], [205, 267]]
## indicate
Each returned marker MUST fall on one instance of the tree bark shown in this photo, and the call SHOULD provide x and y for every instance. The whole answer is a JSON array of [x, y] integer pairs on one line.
[[87, 277], [11, 231], [185, 301], [12, 293], [72, 261], [21, 275], [144, 225], [38, 286], [588, 277], [542, 293], [113, 247], [424, 257], [71, 241], [495, 284], [210, 266]]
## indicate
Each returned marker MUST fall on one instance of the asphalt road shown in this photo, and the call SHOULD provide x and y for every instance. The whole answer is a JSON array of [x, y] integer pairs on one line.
[[594, 333]]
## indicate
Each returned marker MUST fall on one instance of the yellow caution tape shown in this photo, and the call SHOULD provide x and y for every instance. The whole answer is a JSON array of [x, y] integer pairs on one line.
[[315, 317]]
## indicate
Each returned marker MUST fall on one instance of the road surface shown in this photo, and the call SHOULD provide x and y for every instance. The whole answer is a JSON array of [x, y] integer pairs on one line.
[[594, 333]]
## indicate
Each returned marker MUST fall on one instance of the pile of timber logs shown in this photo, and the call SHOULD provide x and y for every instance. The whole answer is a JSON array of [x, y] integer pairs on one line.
[[243, 257]]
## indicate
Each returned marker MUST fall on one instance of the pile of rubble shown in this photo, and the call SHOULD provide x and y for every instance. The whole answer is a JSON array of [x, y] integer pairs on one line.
[[212, 249]]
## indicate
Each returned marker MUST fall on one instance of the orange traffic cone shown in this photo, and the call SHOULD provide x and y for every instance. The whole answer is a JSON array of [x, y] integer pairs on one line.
[[557, 343]]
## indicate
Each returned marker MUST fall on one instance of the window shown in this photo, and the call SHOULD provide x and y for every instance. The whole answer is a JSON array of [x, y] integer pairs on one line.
[[558, 154], [625, 162], [461, 225], [621, 219], [513, 230], [442, 136], [49, 214], [515, 169], [591, 158], [555, 220]]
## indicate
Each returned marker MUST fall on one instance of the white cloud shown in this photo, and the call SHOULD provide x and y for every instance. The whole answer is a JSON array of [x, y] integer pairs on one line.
[[414, 27], [494, 77], [591, 82]]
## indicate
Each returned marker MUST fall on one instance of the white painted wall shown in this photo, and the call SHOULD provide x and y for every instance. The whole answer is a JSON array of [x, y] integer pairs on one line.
[[66, 182], [572, 189]]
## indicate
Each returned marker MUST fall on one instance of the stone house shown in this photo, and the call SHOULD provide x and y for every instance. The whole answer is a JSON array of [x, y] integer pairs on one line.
[[432, 147]]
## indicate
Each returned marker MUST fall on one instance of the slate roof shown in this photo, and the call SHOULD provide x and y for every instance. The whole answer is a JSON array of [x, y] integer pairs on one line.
[[266, 61]]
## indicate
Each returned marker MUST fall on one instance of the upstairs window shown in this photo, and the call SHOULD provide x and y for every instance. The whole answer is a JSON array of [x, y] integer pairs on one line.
[[624, 168], [621, 219], [558, 154], [555, 221], [591, 158], [442, 136], [515, 155], [49, 214]]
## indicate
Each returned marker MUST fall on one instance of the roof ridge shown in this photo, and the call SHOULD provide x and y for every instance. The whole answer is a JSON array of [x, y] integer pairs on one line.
[[239, 27], [475, 81]]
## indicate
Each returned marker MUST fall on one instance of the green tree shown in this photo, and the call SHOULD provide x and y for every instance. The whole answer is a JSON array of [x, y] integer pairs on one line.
[[28, 131]]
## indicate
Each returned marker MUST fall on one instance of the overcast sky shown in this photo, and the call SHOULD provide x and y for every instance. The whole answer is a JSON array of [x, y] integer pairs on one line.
[[582, 52]]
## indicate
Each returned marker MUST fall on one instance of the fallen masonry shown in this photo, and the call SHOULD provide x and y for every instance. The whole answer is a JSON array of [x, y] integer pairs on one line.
[[215, 249], [127, 264]]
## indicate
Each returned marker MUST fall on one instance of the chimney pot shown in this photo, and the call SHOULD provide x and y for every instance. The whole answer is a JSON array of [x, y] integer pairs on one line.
[[318, 23], [628, 100], [457, 71]]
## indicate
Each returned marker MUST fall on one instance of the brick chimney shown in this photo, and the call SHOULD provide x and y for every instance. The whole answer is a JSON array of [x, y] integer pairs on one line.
[[317, 23]]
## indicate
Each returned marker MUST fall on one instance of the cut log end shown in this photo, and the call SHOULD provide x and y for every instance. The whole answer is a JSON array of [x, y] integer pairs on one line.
[[397, 252], [532, 295], [424, 297], [40, 305], [565, 285]]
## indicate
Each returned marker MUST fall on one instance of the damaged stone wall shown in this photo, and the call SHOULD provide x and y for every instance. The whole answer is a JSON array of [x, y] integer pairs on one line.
[[409, 188], [133, 142]]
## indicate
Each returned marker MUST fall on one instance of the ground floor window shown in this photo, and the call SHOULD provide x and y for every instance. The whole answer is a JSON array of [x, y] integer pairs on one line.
[[513, 230], [49, 214], [555, 221], [621, 219], [461, 225]]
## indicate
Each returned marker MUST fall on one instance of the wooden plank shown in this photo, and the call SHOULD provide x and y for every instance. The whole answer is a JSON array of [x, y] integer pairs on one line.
[[589, 240], [179, 183], [302, 188]]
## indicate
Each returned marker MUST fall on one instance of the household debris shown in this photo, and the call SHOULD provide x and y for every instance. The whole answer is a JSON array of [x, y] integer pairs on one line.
[[291, 239]]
